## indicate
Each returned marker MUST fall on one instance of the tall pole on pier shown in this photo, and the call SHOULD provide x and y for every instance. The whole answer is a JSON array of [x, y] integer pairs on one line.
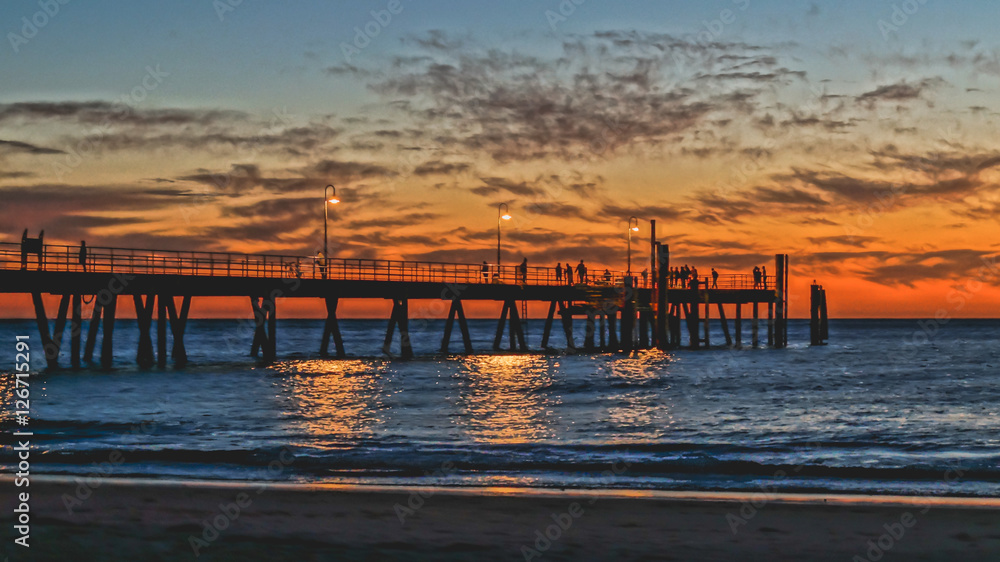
[[503, 213], [328, 199], [633, 226]]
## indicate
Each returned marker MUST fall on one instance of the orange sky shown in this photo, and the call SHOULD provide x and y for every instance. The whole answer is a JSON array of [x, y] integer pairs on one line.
[[870, 158]]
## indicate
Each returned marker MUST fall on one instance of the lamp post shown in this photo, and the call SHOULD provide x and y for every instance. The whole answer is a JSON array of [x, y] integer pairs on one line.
[[503, 214], [633, 226], [327, 200]]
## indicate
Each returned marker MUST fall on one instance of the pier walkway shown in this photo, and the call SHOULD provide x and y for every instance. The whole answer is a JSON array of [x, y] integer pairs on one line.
[[156, 278]]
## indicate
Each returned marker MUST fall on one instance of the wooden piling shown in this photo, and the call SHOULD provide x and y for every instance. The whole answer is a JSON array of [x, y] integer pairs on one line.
[[549, 320], [92, 328], [567, 323], [662, 300], [178, 323], [144, 319], [108, 333], [755, 327], [75, 329], [51, 359], [161, 330], [739, 324], [725, 325], [331, 328], [628, 317]]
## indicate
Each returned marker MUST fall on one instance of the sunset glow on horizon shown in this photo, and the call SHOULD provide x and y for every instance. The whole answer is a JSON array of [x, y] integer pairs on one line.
[[858, 137]]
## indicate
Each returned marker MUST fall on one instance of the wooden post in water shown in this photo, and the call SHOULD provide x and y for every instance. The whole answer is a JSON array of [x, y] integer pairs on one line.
[[549, 320], [588, 340], [770, 324], [755, 326], [824, 324], [814, 332], [739, 324], [567, 323], [75, 328], [107, 339], [708, 316], [662, 300], [780, 305], [178, 323], [144, 320], [51, 359], [725, 325], [161, 330], [654, 277], [628, 316], [331, 328], [92, 328]]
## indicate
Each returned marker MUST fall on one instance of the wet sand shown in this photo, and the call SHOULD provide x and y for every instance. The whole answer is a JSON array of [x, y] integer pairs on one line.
[[125, 519]]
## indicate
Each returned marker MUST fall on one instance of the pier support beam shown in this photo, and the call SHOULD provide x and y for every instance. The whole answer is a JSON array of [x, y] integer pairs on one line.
[[549, 320], [75, 328], [400, 317], [818, 329], [567, 322], [591, 327], [332, 329], [662, 301], [739, 324], [725, 325], [50, 350], [770, 324], [456, 311], [108, 329], [144, 318], [516, 332], [628, 344], [265, 320], [708, 315], [92, 328], [755, 326], [178, 323], [161, 331]]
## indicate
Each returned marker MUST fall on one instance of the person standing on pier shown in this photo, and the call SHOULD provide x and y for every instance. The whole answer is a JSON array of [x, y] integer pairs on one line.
[[581, 272], [645, 277], [569, 274], [715, 279], [83, 255], [694, 278], [485, 270], [558, 273], [763, 277], [524, 271], [321, 262], [756, 277]]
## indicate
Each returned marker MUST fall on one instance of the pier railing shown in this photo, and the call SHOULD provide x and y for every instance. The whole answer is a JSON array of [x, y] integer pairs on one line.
[[226, 264]]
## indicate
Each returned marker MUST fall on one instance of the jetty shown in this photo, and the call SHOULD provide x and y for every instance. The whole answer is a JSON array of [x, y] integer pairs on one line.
[[622, 312]]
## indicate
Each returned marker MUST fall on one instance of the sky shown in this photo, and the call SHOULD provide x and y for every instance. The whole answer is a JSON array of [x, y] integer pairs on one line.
[[856, 136]]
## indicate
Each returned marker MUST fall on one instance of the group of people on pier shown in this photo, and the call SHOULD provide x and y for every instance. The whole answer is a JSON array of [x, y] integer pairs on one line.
[[686, 277]]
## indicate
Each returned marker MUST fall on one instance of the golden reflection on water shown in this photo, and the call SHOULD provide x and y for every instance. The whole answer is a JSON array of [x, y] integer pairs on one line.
[[640, 412], [506, 398], [334, 401]]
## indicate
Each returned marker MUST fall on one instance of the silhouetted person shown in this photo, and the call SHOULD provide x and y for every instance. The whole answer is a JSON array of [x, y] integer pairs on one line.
[[559, 273], [321, 261], [24, 249], [645, 277], [83, 255], [756, 277], [485, 269], [569, 274], [524, 271], [607, 277], [694, 278], [581, 272], [715, 279], [763, 276]]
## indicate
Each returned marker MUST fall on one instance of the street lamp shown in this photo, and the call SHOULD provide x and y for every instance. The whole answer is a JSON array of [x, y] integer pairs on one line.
[[503, 213], [327, 200], [633, 226]]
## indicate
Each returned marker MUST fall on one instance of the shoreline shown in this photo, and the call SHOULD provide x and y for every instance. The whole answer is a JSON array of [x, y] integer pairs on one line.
[[130, 518]]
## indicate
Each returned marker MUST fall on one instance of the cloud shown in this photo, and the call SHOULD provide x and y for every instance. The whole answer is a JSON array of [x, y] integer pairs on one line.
[[495, 185], [17, 147], [900, 91], [436, 167], [856, 241]]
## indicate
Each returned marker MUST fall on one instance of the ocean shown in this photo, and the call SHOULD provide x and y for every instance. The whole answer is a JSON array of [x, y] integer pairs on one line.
[[889, 407]]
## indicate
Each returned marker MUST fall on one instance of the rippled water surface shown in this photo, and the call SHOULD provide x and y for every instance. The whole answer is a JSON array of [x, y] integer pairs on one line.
[[879, 410]]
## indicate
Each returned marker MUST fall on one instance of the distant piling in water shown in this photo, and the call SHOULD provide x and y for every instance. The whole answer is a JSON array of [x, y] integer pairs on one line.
[[818, 322]]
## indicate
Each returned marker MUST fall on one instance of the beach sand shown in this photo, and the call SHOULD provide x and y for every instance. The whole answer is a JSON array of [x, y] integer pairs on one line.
[[147, 520]]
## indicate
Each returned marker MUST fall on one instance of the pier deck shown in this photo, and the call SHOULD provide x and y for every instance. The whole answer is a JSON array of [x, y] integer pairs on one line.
[[156, 278]]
